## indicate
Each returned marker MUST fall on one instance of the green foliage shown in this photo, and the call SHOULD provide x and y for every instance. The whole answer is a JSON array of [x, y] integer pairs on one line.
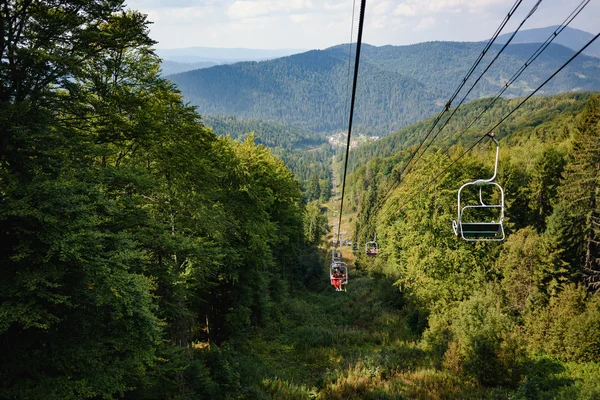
[[315, 223], [145, 257], [567, 327], [488, 302], [129, 230], [579, 195], [278, 389], [530, 270], [269, 133], [544, 380], [477, 341], [543, 117], [306, 153]]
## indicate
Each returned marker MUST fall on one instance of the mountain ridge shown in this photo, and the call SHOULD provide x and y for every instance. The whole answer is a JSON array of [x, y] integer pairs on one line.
[[398, 85], [572, 38]]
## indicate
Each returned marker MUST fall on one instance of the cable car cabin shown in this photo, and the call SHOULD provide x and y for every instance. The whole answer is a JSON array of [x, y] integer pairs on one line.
[[338, 274], [481, 221]]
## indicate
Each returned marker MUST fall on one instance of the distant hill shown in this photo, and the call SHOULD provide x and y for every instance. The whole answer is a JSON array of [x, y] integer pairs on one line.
[[572, 38], [398, 84], [305, 90], [222, 55], [531, 114], [172, 67]]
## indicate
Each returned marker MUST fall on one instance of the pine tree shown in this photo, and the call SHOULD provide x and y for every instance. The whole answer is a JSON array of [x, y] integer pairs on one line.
[[580, 194], [314, 188]]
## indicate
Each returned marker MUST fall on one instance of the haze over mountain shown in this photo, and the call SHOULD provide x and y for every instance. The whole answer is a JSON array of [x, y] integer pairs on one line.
[[175, 61], [172, 67], [572, 38], [222, 55], [398, 84]]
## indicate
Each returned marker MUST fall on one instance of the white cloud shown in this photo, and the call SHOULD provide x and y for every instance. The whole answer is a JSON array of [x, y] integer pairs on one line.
[[323, 23], [186, 14], [299, 18], [241, 9], [335, 6], [405, 10], [381, 7], [379, 22], [411, 8], [425, 23], [249, 9]]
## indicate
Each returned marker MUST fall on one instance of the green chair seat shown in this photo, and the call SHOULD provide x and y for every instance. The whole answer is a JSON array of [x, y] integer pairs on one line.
[[481, 230]]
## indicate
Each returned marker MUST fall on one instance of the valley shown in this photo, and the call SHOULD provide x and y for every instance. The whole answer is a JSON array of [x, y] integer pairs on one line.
[[174, 236]]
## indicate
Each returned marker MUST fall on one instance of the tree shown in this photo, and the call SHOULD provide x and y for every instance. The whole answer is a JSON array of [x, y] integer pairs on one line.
[[78, 315], [545, 181], [326, 187], [313, 192], [580, 195], [315, 223]]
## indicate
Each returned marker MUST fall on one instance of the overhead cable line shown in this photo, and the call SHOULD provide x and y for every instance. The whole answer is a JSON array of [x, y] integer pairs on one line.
[[349, 62], [466, 78], [356, 64], [470, 72], [489, 132], [531, 59], [531, 12]]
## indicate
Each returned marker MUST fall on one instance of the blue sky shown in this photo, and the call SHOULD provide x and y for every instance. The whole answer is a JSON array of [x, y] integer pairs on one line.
[[317, 24]]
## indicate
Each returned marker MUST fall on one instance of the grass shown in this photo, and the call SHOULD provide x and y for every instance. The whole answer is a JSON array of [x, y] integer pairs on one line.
[[343, 345]]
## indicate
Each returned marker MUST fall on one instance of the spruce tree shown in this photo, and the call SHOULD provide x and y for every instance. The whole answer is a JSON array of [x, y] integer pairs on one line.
[[580, 195]]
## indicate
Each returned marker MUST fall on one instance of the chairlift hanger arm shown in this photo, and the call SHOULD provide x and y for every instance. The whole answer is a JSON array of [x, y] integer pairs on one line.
[[493, 137]]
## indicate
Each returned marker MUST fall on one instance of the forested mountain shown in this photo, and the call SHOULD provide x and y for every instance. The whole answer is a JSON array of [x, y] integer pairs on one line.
[[306, 90], [399, 84], [569, 37]]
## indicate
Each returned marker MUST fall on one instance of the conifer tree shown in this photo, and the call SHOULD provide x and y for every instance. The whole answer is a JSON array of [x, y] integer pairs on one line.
[[314, 188], [580, 195]]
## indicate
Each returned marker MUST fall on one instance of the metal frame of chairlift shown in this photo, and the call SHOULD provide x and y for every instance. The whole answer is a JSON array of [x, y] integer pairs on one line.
[[372, 248], [343, 268], [481, 231]]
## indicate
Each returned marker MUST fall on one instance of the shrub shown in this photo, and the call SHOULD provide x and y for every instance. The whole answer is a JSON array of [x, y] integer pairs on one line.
[[569, 327], [477, 340]]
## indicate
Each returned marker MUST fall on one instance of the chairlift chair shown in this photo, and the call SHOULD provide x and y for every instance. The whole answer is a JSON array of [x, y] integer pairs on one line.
[[486, 230], [335, 256], [342, 269], [372, 248]]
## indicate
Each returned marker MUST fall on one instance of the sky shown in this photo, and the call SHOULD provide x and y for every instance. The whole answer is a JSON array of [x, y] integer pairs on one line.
[[318, 24]]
